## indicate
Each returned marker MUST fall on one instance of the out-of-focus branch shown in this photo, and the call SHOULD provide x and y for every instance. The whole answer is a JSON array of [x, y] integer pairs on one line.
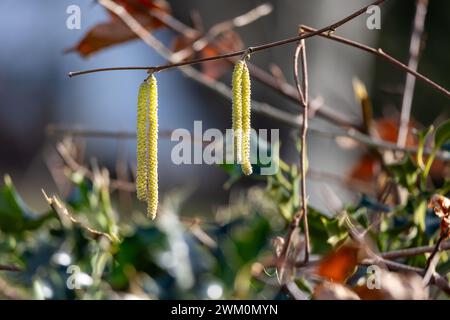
[[381, 54], [414, 55], [410, 252], [239, 21], [9, 268], [279, 85], [135, 26], [281, 116]]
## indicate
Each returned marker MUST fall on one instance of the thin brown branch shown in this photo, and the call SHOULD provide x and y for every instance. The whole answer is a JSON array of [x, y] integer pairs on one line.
[[219, 28], [68, 219], [135, 27], [436, 279], [410, 252], [278, 85], [264, 110], [433, 259], [303, 89], [12, 268], [381, 54], [414, 55], [76, 167]]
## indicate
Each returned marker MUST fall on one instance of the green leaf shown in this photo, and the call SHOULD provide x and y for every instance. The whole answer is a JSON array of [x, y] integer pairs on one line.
[[422, 135], [420, 215], [15, 216], [442, 135], [406, 173]]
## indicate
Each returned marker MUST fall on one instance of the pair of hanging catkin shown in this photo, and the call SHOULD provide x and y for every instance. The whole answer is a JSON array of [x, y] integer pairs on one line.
[[241, 86], [147, 145]]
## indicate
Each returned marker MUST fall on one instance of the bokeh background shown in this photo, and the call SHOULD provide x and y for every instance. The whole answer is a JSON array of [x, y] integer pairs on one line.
[[35, 90]]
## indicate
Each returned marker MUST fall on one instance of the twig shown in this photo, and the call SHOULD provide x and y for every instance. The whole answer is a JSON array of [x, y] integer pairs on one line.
[[135, 27], [65, 216], [433, 259], [436, 279], [278, 85], [54, 129], [239, 21], [9, 268], [280, 115], [410, 252], [76, 167], [380, 53], [304, 100], [414, 53]]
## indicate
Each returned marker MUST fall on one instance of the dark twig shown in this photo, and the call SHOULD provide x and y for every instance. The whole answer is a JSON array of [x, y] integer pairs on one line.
[[279, 115], [410, 252], [380, 53], [433, 259], [280, 86], [110, 5], [414, 54], [9, 268]]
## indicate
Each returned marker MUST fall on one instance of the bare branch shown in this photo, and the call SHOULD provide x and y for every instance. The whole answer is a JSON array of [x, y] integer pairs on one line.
[[380, 53], [414, 54], [150, 39]]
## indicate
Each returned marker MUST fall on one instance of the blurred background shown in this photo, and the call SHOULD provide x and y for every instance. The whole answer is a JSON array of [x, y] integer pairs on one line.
[[36, 92]]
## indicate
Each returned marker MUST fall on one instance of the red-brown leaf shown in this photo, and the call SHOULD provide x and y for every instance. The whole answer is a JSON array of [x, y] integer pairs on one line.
[[339, 265], [115, 31], [227, 42]]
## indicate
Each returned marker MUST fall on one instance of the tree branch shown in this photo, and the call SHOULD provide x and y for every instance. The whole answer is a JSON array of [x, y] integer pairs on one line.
[[303, 92], [410, 252], [381, 54], [135, 27], [414, 54]]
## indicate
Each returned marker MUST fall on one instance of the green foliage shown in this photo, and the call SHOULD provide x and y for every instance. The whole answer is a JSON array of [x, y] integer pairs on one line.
[[122, 255]]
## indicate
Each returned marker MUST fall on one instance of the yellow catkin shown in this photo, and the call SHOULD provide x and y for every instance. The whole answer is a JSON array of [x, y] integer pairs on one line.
[[246, 121], [152, 157], [141, 135], [237, 108]]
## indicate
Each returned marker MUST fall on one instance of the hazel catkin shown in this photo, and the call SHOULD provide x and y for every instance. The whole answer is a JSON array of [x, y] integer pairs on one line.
[[141, 143], [152, 156], [246, 121], [237, 109], [147, 145]]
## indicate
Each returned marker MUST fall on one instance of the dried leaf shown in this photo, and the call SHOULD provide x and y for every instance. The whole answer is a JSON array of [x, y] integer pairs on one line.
[[227, 42], [114, 31], [339, 265], [441, 207], [369, 166]]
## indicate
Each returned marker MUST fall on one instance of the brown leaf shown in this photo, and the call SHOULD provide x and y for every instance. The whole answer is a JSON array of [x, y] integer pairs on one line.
[[368, 167], [227, 42], [115, 31], [339, 265], [441, 207]]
